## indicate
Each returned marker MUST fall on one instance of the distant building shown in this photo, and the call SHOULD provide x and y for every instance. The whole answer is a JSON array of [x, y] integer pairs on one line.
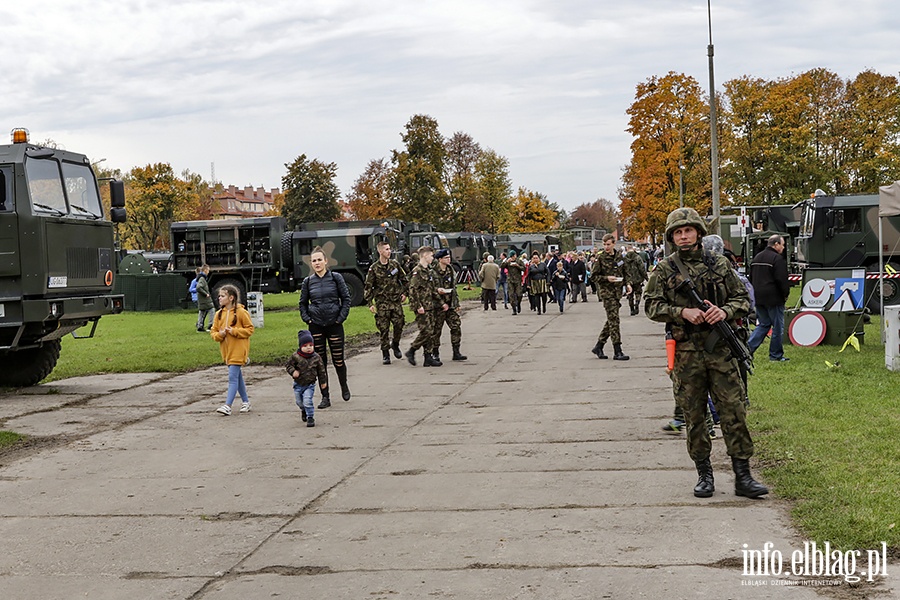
[[236, 203], [587, 238]]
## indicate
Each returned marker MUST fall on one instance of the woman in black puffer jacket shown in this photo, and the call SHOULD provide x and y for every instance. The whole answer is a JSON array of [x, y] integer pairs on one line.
[[324, 306]]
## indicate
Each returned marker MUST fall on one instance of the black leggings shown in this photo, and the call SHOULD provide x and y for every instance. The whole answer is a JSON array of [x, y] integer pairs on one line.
[[333, 335]]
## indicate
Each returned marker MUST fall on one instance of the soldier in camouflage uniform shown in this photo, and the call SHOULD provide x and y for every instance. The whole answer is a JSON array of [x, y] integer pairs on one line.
[[607, 274], [385, 292], [447, 311], [423, 296], [635, 275], [703, 364], [515, 268]]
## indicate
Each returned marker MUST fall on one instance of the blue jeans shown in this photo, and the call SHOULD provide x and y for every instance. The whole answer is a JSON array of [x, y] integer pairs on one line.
[[303, 396], [236, 385], [560, 298], [503, 285], [769, 317]]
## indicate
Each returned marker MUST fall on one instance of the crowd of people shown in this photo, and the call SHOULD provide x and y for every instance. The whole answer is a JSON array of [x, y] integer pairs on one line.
[[709, 385]]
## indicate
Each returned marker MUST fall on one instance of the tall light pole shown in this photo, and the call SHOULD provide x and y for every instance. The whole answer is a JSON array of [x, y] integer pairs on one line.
[[713, 126], [680, 186]]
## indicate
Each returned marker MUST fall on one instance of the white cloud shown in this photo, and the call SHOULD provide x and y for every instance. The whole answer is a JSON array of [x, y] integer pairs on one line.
[[251, 85]]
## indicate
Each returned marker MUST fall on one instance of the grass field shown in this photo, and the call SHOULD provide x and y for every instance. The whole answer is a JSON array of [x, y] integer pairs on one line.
[[827, 438]]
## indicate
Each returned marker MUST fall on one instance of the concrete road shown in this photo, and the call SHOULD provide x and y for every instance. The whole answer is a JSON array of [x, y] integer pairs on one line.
[[532, 470]]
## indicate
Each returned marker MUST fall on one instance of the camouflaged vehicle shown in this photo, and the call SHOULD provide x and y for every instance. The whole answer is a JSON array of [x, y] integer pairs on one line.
[[57, 255], [260, 254]]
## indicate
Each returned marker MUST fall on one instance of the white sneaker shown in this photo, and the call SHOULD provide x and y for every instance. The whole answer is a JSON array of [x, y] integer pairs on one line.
[[224, 409], [245, 407]]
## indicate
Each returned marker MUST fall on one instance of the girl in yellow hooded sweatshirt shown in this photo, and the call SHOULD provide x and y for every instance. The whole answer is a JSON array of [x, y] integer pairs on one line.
[[232, 329]]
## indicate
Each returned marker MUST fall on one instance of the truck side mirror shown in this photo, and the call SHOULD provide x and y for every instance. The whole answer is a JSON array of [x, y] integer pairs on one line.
[[829, 224], [117, 215], [117, 195]]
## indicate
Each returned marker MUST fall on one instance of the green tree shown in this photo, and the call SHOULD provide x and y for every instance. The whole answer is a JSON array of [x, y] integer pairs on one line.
[[368, 198], [492, 209], [462, 154], [310, 193], [417, 191], [154, 194]]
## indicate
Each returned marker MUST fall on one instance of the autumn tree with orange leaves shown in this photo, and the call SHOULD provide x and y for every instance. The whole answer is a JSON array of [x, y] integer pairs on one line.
[[668, 120]]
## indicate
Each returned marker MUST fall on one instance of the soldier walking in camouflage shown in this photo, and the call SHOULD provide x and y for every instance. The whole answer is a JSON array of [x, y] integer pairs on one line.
[[607, 274], [515, 268], [703, 364], [448, 309], [385, 292], [635, 275], [423, 297]]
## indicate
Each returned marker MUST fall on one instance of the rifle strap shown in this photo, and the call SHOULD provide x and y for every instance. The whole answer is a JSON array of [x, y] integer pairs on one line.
[[679, 264]]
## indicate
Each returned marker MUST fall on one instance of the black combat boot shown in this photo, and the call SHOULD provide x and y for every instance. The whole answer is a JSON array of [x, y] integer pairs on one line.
[[436, 355], [744, 484], [396, 348], [385, 357], [411, 356], [326, 401], [705, 485], [617, 352], [598, 350], [345, 391], [431, 361], [457, 355]]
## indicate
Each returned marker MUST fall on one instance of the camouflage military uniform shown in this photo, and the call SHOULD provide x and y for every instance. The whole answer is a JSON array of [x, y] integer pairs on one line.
[[423, 293], [635, 275], [446, 279], [386, 284], [701, 370], [610, 293], [514, 268]]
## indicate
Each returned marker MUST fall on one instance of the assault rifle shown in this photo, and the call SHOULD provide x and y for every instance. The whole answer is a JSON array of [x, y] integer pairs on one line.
[[738, 350]]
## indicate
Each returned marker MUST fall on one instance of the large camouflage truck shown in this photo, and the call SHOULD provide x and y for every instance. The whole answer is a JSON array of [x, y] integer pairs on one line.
[[350, 247], [526, 243], [842, 232], [260, 254], [57, 255]]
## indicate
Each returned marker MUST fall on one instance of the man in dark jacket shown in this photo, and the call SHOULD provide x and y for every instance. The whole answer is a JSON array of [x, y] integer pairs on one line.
[[769, 276]]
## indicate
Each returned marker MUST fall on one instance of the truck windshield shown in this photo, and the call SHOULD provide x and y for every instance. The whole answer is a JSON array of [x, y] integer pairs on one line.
[[81, 189], [45, 185]]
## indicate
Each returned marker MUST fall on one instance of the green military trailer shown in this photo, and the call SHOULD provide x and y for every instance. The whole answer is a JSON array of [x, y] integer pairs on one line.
[[261, 254], [57, 255], [467, 249]]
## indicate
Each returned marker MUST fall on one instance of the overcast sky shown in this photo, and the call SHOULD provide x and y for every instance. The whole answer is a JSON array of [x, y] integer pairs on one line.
[[251, 85]]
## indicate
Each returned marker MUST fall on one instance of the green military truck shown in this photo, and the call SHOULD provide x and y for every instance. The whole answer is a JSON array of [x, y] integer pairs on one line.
[[57, 255], [467, 249], [842, 232], [261, 254]]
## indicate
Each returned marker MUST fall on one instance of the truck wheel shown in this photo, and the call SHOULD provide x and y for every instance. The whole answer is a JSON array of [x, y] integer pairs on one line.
[[357, 291], [236, 283], [22, 368], [891, 291]]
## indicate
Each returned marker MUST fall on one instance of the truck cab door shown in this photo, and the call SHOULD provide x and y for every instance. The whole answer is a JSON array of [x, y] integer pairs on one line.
[[9, 227]]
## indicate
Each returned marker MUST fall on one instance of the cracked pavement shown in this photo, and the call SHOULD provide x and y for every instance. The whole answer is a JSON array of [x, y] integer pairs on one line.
[[532, 470]]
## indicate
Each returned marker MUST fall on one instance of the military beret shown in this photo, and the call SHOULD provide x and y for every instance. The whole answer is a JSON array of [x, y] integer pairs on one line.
[[442, 253]]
